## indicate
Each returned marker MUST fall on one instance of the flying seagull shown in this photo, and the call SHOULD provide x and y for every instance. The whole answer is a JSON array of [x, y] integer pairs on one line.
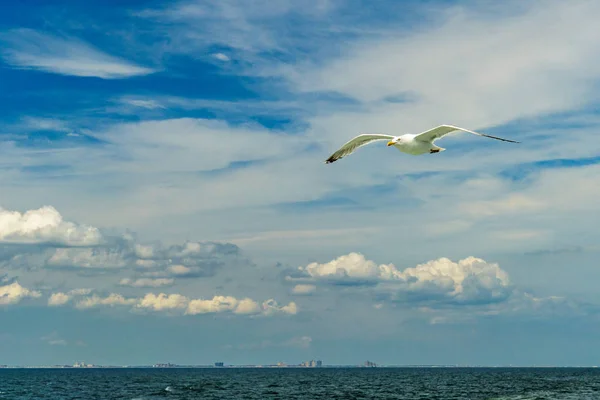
[[408, 143]]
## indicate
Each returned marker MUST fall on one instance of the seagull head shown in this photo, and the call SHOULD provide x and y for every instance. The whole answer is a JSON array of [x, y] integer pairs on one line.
[[393, 141]]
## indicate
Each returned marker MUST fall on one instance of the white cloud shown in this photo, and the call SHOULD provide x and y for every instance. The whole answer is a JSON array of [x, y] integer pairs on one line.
[[247, 306], [470, 280], [221, 57], [87, 258], [520, 305], [156, 264], [29, 49], [144, 251], [80, 292], [350, 266], [32, 123], [179, 270], [514, 74], [303, 289], [111, 300], [194, 144], [221, 304], [58, 299], [44, 225], [249, 28], [163, 302], [148, 104], [271, 307], [146, 282], [513, 203], [14, 293], [61, 298]]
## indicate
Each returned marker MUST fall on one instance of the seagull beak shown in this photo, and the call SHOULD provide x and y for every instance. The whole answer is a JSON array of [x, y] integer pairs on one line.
[[391, 143]]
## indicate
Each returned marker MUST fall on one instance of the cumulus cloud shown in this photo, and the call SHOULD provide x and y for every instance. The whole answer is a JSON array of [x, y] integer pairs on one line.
[[14, 293], [243, 306], [30, 49], [163, 302], [271, 307], [45, 225], [303, 289], [189, 260], [471, 280], [61, 298], [221, 304], [349, 268], [58, 299], [46, 240]]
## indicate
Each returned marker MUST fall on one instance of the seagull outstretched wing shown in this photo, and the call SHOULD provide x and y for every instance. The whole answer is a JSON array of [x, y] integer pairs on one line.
[[361, 140], [442, 130]]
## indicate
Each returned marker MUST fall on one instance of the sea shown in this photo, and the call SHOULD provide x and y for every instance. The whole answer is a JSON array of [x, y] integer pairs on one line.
[[300, 383]]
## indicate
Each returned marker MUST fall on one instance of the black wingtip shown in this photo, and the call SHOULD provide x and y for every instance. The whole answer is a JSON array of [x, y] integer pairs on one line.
[[330, 160], [499, 138]]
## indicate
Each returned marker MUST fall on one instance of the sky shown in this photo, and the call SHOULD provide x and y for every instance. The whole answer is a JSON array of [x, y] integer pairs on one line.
[[164, 196]]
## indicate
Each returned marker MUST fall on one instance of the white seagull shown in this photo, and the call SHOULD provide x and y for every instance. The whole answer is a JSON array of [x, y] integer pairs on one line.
[[408, 143]]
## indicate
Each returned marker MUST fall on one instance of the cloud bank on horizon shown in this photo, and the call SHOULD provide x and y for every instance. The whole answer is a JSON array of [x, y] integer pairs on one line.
[[162, 167]]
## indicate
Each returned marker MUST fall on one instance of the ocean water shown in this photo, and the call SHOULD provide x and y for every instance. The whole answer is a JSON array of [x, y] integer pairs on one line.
[[297, 383]]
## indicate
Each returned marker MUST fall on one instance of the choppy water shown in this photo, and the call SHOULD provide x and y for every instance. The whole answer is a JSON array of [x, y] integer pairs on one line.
[[325, 383]]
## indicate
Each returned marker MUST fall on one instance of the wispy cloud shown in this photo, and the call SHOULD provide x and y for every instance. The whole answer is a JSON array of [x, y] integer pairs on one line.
[[30, 49], [250, 33], [54, 339], [146, 282]]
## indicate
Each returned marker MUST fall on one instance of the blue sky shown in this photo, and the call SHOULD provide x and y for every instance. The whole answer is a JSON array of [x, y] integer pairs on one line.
[[164, 196]]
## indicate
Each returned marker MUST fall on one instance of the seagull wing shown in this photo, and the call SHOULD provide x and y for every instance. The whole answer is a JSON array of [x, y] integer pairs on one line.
[[354, 144], [442, 130]]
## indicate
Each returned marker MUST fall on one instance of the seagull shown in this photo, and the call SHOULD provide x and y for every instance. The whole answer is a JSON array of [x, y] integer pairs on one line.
[[408, 143]]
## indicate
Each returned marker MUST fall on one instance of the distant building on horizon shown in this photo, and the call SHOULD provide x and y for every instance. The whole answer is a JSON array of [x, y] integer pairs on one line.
[[82, 365], [312, 364], [164, 365], [219, 364]]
